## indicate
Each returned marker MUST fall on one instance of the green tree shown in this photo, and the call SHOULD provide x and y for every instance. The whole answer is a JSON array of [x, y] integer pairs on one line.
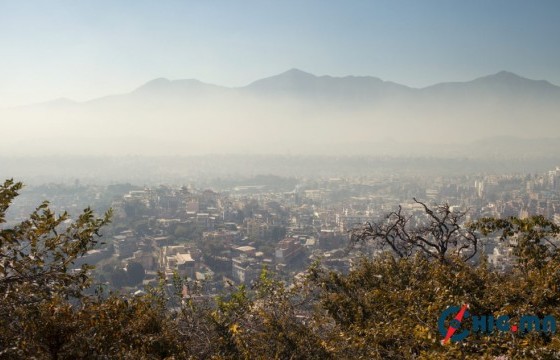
[[265, 323], [135, 273], [37, 253], [532, 239], [36, 258]]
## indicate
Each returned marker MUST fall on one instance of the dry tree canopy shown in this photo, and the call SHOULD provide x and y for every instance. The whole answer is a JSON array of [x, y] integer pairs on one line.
[[438, 232]]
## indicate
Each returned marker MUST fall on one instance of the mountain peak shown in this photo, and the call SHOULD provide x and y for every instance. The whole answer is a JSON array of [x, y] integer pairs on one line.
[[154, 84], [506, 73], [296, 73], [501, 77], [291, 80], [512, 80]]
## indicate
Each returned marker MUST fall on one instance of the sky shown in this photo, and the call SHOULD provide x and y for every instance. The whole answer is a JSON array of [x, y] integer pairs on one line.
[[87, 49]]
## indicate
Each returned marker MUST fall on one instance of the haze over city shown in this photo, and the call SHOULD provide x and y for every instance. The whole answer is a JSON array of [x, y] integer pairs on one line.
[[191, 78], [290, 179]]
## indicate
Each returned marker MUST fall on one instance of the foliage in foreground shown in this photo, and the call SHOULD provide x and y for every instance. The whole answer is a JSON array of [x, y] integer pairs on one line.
[[385, 308]]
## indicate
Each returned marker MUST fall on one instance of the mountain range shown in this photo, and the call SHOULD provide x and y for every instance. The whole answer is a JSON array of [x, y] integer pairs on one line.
[[296, 112]]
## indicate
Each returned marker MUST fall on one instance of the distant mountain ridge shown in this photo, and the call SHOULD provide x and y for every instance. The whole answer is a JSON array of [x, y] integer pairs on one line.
[[293, 112], [298, 82]]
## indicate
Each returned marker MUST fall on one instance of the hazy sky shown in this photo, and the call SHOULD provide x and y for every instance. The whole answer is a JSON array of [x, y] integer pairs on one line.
[[84, 49]]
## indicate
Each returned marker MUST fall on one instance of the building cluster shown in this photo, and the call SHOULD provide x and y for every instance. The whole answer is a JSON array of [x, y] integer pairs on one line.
[[229, 235]]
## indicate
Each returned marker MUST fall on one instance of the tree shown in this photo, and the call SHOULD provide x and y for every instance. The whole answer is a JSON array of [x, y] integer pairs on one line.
[[36, 258], [441, 230], [388, 306], [532, 239], [264, 324], [38, 253], [135, 273], [118, 277]]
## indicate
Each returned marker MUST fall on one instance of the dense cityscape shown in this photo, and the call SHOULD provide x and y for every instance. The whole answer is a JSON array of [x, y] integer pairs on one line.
[[228, 235]]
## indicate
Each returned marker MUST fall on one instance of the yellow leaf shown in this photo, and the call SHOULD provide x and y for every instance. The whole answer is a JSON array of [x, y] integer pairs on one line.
[[234, 328]]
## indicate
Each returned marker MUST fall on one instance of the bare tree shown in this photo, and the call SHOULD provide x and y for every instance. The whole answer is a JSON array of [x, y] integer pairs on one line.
[[438, 233]]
